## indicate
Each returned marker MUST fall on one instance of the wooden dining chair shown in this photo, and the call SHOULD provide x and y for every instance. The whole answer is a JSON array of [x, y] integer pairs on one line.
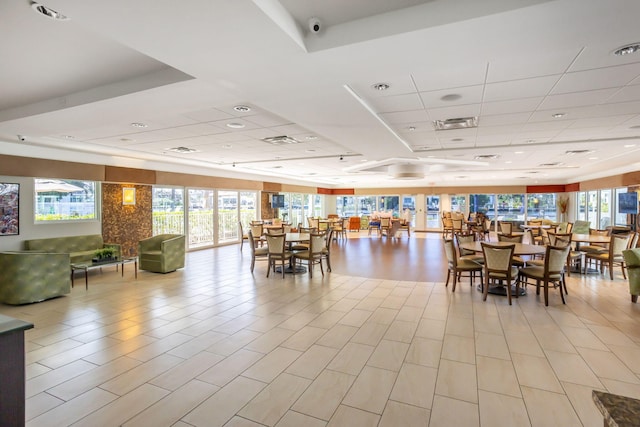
[[313, 255], [552, 272], [613, 256], [256, 253], [277, 249], [498, 269], [457, 266]]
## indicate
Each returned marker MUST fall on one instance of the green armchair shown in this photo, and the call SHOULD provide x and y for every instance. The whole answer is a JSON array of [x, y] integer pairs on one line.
[[632, 261], [162, 253], [27, 277]]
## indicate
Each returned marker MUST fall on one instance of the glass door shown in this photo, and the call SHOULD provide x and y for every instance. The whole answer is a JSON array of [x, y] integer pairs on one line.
[[433, 212], [227, 216], [200, 218]]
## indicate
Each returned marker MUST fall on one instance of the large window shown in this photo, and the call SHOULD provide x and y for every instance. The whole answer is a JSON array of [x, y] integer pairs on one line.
[[366, 205], [433, 211], [346, 206], [227, 216], [409, 204], [168, 210], [200, 217], [605, 209], [65, 200], [389, 204], [458, 203], [620, 218], [542, 206], [484, 203]]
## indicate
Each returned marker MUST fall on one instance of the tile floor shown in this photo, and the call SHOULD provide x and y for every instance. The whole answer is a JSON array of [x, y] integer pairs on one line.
[[214, 345]]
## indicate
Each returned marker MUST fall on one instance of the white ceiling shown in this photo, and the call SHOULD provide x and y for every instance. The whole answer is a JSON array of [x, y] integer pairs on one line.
[[74, 87]]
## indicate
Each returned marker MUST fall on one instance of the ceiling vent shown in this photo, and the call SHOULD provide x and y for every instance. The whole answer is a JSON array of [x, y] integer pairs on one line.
[[183, 150], [280, 140], [574, 152], [550, 165], [459, 123], [487, 157]]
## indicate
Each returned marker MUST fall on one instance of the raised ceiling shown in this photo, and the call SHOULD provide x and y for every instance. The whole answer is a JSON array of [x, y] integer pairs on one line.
[[73, 88]]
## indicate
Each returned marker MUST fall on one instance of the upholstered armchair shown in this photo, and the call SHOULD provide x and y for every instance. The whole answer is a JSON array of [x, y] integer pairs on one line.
[[27, 277], [162, 253], [632, 261]]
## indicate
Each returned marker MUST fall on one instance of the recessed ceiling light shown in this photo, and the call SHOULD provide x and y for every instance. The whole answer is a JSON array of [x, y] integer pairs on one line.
[[310, 137], [139, 125], [550, 165], [242, 108], [629, 145], [518, 152], [626, 50], [381, 86], [234, 125], [411, 128], [227, 146], [127, 140], [593, 158], [48, 12], [68, 137], [558, 115], [451, 97], [310, 151]]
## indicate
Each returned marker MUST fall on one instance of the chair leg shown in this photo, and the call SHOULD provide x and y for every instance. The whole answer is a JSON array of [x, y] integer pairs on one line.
[[253, 263], [455, 281], [268, 266], [448, 275], [546, 292], [509, 291], [321, 270], [486, 288]]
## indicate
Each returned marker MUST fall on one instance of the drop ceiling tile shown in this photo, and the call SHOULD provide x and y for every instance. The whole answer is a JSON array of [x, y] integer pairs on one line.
[[626, 93], [434, 79], [517, 89], [266, 120], [511, 106], [600, 55], [598, 78], [576, 99], [529, 65], [498, 130], [504, 119], [201, 129], [444, 113], [388, 104], [609, 121], [208, 115], [398, 85], [493, 140], [405, 117], [468, 95], [222, 124]]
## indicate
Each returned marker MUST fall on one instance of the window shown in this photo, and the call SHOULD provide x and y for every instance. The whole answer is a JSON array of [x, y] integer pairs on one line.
[[605, 209], [200, 217], [227, 216], [389, 204], [433, 211], [366, 205], [65, 200], [168, 210], [346, 206], [542, 206]]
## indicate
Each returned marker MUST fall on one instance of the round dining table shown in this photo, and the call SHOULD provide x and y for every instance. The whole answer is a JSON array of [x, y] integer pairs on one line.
[[520, 248], [590, 238]]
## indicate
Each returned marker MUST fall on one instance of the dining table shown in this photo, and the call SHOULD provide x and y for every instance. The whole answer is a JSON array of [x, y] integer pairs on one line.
[[290, 239], [518, 250]]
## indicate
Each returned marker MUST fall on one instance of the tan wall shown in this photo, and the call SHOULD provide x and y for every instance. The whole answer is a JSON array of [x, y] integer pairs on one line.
[[42, 168]]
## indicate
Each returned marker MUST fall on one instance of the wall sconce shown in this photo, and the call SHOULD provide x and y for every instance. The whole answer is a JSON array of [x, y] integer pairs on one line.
[[128, 196]]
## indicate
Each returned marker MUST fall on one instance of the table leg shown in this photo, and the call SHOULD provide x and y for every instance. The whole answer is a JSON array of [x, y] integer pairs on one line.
[[86, 279]]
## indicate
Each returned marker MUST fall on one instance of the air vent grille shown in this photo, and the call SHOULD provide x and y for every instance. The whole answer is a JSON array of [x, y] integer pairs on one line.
[[457, 123], [487, 157], [183, 150]]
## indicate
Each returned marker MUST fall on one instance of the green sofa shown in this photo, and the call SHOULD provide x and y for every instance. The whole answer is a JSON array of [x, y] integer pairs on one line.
[[162, 253], [27, 277], [80, 248]]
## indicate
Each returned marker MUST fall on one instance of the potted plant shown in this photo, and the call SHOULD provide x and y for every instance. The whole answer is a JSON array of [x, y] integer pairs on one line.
[[104, 255]]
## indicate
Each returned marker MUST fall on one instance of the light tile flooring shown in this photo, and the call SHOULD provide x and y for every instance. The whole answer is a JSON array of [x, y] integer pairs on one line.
[[214, 345]]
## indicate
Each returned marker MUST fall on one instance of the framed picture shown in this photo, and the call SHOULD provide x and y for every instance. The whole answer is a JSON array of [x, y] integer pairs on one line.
[[9, 205]]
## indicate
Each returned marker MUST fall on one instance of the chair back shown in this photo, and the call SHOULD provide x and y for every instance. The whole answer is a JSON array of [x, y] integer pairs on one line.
[[395, 227], [560, 239], [555, 259], [307, 230], [457, 225], [328, 236], [447, 223], [569, 227], [316, 243], [313, 222], [275, 230], [487, 224], [252, 242], [497, 259], [450, 252], [465, 238], [633, 241], [581, 227], [562, 227], [385, 222], [509, 238], [617, 244], [506, 227], [256, 229], [276, 243], [286, 228]]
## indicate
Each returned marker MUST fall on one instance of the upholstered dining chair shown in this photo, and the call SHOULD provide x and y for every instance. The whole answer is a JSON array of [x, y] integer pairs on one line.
[[498, 269], [505, 227], [385, 225], [256, 253], [456, 266], [467, 253], [447, 228], [313, 255], [257, 231], [276, 245], [517, 238], [574, 258], [613, 256], [243, 236], [552, 272]]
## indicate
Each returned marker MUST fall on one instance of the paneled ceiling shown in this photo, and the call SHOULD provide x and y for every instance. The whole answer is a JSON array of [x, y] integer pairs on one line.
[[162, 85]]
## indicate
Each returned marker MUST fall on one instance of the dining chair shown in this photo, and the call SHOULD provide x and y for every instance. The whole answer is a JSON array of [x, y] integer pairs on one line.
[[277, 251], [596, 247], [457, 225], [257, 232], [393, 230], [552, 272], [243, 236], [505, 227], [303, 246], [457, 266], [256, 253], [275, 230], [467, 253], [498, 269], [518, 261], [613, 256], [581, 227], [574, 258], [447, 228], [326, 251], [385, 225], [313, 223], [405, 226], [313, 255]]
